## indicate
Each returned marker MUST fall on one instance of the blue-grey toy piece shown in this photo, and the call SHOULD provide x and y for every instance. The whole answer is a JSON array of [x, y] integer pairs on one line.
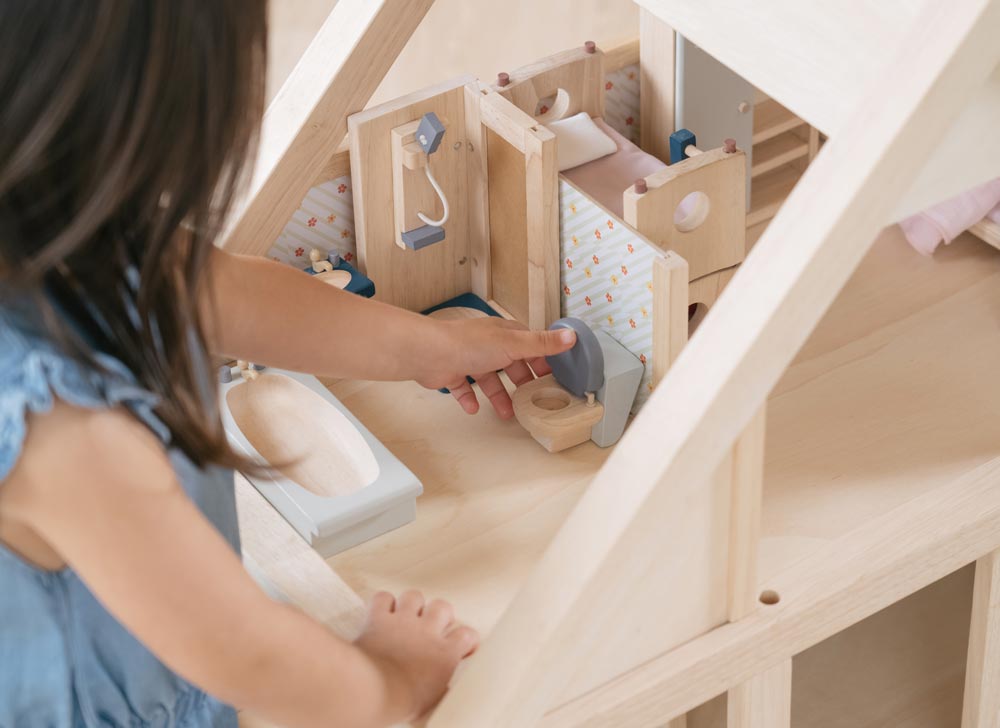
[[333, 257], [225, 374], [622, 374], [422, 236], [581, 369], [679, 141], [430, 131]]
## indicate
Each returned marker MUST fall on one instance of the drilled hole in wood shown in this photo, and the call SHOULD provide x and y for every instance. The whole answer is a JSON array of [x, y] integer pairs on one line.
[[696, 314], [692, 211], [769, 597]]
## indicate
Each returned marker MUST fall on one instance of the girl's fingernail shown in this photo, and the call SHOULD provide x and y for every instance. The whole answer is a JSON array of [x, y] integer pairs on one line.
[[567, 336]]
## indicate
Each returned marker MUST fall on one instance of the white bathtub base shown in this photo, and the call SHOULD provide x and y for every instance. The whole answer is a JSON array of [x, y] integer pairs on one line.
[[331, 524]]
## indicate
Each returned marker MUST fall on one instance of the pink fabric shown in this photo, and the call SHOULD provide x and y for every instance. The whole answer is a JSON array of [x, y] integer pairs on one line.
[[605, 179], [946, 221]]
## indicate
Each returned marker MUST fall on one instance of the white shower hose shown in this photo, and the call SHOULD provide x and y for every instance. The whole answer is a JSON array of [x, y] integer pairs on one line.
[[440, 193]]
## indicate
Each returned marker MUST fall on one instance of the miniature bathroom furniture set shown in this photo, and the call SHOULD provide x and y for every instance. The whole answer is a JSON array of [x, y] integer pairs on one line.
[[801, 518]]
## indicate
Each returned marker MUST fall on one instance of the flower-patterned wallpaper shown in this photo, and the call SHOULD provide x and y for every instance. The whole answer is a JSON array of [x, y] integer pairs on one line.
[[607, 277], [324, 220], [621, 102]]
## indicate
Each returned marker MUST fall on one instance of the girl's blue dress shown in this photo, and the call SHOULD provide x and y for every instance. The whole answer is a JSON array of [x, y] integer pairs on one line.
[[64, 661]]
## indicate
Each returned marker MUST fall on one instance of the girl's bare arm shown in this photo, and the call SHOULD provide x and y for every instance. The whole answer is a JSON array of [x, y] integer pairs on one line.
[[272, 314], [97, 487]]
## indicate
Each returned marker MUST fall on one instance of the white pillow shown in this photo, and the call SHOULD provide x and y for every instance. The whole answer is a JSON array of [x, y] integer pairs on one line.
[[580, 140]]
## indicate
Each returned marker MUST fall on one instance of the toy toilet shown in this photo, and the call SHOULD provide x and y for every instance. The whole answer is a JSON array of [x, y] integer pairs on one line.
[[554, 416], [587, 396]]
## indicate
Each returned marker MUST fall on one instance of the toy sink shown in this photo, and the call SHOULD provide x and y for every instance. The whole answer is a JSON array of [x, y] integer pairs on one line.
[[332, 480]]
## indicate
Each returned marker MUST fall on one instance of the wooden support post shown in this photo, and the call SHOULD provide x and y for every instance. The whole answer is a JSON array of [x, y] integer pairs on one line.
[[813, 142], [656, 84], [982, 670], [744, 516], [542, 187], [478, 197], [524, 212], [763, 702], [670, 306]]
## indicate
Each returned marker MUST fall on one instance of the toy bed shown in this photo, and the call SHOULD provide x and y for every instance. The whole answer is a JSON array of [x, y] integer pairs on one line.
[[791, 520]]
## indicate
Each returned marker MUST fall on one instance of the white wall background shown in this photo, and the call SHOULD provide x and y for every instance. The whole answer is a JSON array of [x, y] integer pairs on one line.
[[481, 37]]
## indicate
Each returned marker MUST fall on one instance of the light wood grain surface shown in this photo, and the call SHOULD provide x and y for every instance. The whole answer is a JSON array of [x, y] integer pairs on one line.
[[891, 398]]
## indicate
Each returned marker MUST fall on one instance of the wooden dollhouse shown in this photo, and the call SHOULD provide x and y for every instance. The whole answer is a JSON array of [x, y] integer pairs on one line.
[[781, 535]]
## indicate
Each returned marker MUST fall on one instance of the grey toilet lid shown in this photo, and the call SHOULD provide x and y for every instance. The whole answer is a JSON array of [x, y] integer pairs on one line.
[[581, 369]]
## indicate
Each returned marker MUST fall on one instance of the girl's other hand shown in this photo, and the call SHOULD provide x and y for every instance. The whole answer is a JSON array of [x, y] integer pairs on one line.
[[480, 348], [417, 647]]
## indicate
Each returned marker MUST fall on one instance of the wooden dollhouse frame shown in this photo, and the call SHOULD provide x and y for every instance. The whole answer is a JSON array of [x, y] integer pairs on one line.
[[657, 588]]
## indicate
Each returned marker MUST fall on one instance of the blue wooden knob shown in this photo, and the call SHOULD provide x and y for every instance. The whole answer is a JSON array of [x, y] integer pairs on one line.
[[680, 140]]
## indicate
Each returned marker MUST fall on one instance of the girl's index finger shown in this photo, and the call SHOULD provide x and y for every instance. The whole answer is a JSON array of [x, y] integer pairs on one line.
[[534, 344]]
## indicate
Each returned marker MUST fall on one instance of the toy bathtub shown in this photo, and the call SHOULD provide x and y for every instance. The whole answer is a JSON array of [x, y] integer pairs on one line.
[[333, 481]]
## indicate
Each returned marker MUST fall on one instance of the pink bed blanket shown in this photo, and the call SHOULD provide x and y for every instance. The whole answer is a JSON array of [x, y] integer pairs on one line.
[[946, 221], [606, 179]]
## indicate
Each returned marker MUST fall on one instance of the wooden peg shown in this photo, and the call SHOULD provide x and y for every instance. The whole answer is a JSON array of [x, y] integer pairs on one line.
[[641, 187], [319, 263], [590, 46], [246, 370], [503, 79]]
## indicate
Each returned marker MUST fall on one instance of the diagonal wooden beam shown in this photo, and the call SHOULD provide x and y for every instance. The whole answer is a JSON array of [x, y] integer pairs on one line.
[[621, 556], [307, 120]]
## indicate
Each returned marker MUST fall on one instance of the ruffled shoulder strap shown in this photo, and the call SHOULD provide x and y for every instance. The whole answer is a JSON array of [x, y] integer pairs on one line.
[[34, 371]]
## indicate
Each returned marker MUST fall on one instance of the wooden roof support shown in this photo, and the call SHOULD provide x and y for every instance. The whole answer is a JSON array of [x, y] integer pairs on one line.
[[819, 59], [814, 58], [307, 120], [623, 553]]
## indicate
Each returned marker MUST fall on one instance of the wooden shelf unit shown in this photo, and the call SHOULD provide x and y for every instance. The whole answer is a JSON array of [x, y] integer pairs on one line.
[[783, 145]]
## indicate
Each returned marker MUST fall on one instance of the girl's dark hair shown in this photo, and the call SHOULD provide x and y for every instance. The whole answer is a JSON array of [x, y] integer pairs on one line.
[[127, 128]]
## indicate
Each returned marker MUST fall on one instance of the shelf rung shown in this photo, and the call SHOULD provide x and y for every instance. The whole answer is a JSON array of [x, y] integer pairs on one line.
[[771, 119], [778, 152]]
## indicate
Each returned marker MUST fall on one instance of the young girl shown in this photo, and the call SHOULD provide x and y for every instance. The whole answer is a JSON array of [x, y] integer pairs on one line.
[[124, 130]]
